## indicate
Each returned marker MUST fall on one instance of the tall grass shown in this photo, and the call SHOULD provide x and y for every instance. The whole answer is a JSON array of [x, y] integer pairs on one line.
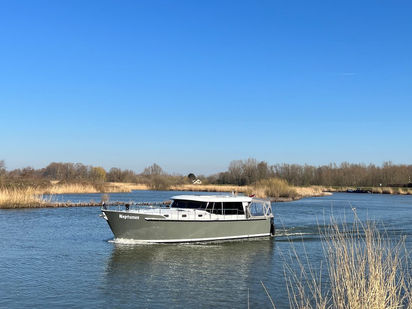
[[274, 188], [82, 187], [124, 187], [26, 197], [311, 191], [377, 190], [365, 270], [30, 196], [210, 188], [68, 188]]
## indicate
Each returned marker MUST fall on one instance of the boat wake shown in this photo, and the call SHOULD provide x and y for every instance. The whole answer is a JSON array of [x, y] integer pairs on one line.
[[208, 243], [297, 234], [126, 241], [288, 234]]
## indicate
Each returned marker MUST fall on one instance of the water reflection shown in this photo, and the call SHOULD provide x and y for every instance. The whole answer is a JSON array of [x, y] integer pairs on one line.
[[187, 275]]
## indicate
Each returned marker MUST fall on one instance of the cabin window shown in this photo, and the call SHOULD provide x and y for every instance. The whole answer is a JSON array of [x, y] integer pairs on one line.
[[209, 207], [217, 208], [233, 208], [256, 209], [188, 204], [214, 208]]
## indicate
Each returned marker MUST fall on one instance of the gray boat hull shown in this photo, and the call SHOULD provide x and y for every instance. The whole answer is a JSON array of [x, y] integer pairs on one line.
[[155, 228]]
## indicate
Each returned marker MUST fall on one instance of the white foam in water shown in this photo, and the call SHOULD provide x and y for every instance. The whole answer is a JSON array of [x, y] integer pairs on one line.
[[285, 233], [126, 241], [130, 242]]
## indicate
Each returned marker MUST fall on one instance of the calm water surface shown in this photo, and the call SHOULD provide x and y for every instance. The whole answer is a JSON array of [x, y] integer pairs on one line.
[[64, 258]]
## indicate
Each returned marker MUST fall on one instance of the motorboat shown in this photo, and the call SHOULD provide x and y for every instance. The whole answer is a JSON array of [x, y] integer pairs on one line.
[[192, 218]]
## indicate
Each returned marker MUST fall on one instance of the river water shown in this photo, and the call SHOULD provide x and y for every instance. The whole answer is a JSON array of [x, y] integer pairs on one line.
[[65, 257]]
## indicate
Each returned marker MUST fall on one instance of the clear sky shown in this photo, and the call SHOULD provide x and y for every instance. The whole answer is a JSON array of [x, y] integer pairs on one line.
[[192, 85]]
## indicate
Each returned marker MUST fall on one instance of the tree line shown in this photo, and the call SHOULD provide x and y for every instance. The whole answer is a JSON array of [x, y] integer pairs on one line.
[[239, 172], [153, 176], [78, 171], [246, 172]]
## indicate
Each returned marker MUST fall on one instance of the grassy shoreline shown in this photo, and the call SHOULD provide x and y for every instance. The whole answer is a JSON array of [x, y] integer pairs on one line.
[[36, 197], [365, 268], [273, 189], [373, 190]]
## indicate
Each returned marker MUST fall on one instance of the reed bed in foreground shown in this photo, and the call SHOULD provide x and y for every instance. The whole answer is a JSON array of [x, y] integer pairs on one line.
[[365, 270]]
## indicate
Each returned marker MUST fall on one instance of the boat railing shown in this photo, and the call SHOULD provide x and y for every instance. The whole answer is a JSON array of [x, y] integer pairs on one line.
[[257, 208], [137, 205], [162, 208]]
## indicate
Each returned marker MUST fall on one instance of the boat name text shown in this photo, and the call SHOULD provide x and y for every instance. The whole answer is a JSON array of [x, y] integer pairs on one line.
[[128, 217]]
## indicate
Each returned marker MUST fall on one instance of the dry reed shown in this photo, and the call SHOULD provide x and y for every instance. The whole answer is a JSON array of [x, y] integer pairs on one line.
[[273, 188], [374, 190], [209, 188], [124, 187], [80, 188], [311, 191], [365, 270], [32, 196], [68, 188], [27, 197]]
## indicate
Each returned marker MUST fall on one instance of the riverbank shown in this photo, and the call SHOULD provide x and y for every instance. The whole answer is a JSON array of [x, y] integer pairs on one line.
[[273, 189], [35, 197], [372, 190]]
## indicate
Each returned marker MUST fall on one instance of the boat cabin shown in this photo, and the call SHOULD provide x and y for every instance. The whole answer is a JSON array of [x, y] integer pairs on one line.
[[223, 205]]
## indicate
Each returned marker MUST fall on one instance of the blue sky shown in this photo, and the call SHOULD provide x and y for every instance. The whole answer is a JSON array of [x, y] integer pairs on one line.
[[192, 85]]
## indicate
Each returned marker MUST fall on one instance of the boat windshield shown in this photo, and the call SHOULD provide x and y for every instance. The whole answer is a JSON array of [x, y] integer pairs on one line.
[[188, 204], [260, 208]]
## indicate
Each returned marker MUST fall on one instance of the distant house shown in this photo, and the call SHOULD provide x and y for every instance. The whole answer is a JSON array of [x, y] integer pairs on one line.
[[197, 182], [194, 179]]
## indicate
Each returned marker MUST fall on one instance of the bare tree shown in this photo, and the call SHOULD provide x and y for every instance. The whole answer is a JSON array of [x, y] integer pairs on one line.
[[2, 171], [153, 170], [2, 168]]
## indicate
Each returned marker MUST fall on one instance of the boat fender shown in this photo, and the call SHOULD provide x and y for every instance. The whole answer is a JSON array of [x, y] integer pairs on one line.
[[272, 227], [127, 206]]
